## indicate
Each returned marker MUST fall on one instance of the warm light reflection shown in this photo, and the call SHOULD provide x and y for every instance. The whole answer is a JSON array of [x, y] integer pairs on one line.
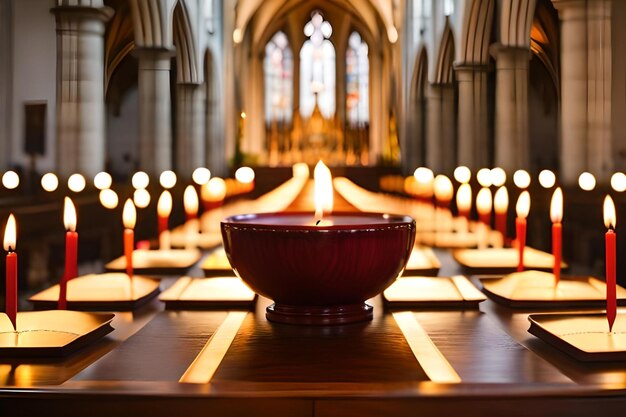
[[547, 179], [498, 177], [108, 199], [323, 194], [201, 175], [587, 181], [484, 201], [556, 206], [164, 205], [610, 218], [214, 190], [167, 179], [462, 174], [483, 176], [10, 180], [501, 200], [244, 175], [76, 183], [424, 175], [129, 214], [102, 180], [464, 198], [141, 198], [69, 215], [140, 180], [190, 200], [444, 191], [523, 205], [49, 182], [10, 234], [300, 170], [618, 182], [521, 179]]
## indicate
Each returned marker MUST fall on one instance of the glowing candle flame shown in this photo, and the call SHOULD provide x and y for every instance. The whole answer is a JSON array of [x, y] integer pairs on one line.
[[10, 180], [618, 182], [69, 215], [610, 218], [102, 180], [167, 179], [108, 199], [484, 201], [201, 176], [501, 200], [244, 175], [464, 198], [323, 190], [423, 175], [214, 190], [483, 176], [140, 180], [49, 182], [76, 183], [10, 234], [129, 215], [164, 205], [521, 179], [556, 206], [498, 177], [190, 200], [462, 174], [141, 198], [523, 205], [547, 179], [587, 181], [444, 191]]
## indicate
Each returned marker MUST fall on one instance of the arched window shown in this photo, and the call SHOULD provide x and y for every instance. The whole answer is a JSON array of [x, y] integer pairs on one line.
[[278, 69], [357, 81], [317, 68]]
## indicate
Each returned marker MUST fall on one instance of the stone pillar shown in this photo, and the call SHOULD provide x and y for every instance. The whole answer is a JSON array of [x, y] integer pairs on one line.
[[190, 132], [440, 128], [155, 118], [473, 129], [511, 124], [80, 119]]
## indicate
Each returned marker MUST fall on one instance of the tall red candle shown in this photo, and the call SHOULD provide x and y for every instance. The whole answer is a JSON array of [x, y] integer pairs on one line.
[[129, 218], [556, 215], [71, 252], [610, 220], [10, 233], [522, 208]]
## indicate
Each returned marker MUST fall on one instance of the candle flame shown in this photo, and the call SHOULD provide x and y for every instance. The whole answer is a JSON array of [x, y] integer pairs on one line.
[[109, 199], [190, 199], [501, 200], [523, 205], [610, 218], [164, 205], [498, 176], [464, 197], [444, 191], [214, 190], [556, 206], [521, 179], [69, 215], [483, 176], [141, 198], [484, 201], [10, 234], [323, 190], [462, 174], [129, 214]]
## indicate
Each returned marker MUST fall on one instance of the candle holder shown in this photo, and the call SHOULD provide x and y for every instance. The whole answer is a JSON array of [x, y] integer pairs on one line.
[[101, 292], [536, 289], [158, 262], [585, 337], [502, 260], [440, 293], [318, 275], [51, 333], [208, 294]]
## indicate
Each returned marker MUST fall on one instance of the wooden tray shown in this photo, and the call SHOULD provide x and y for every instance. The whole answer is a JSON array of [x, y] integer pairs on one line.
[[216, 264], [104, 292], [208, 294], [157, 262], [51, 333], [535, 289], [502, 261], [448, 240], [435, 293], [423, 262], [583, 336], [181, 238]]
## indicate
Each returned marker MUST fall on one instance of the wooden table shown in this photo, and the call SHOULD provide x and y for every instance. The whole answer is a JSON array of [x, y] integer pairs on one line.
[[379, 368]]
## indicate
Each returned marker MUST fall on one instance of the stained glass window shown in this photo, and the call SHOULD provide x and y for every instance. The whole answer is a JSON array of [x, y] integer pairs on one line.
[[357, 80], [278, 69]]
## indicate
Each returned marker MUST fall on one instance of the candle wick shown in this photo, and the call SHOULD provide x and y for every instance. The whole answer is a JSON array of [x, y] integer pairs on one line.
[[318, 222]]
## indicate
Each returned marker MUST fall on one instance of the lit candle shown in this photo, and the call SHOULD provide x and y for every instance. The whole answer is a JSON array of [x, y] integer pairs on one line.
[[323, 192], [483, 205], [10, 238], [444, 191], [213, 193], [522, 208], [501, 207], [610, 219], [464, 200], [556, 215], [71, 251], [129, 218], [245, 176], [521, 179], [164, 209], [190, 200]]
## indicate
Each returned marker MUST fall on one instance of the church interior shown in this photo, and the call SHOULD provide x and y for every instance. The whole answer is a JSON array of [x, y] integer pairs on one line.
[[312, 208]]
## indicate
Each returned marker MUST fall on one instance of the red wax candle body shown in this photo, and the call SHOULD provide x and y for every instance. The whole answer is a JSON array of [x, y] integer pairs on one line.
[[611, 299], [11, 288], [163, 223], [485, 218], [129, 243], [190, 216], [520, 228], [210, 205], [557, 230], [71, 266], [501, 223], [464, 213]]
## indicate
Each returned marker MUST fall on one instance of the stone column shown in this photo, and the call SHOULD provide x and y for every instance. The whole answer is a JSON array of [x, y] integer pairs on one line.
[[440, 128], [155, 126], [190, 132], [511, 124], [80, 119], [473, 129]]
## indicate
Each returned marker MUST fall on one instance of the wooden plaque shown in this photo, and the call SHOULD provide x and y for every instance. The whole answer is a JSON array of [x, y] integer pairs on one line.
[[158, 262], [502, 261], [208, 294], [436, 293]]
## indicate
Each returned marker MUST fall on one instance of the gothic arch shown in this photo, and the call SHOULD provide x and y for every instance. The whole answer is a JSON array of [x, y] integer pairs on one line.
[[444, 73], [516, 19], [476, 32]]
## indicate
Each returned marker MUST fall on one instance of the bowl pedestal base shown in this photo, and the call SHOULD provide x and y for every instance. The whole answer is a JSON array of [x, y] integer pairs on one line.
[[319, 315]]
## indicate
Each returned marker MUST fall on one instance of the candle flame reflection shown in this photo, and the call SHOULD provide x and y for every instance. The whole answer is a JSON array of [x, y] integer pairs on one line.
[[323, 194], [69, 215], [610, 218], [10, 234], [129, 215], [556, 206], [523, 205]]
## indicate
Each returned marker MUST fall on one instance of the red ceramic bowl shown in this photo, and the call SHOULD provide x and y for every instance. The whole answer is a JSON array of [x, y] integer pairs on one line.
[[318, 274]]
